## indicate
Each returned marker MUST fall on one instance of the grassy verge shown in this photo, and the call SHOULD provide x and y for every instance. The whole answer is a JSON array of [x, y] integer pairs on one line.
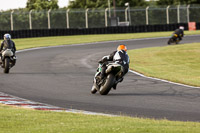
[[178, 63], [23, 120], [64, 40]]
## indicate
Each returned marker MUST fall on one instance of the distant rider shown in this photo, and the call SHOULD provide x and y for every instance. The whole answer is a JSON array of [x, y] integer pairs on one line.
[[119, 56], [7, 43], [179, 32]]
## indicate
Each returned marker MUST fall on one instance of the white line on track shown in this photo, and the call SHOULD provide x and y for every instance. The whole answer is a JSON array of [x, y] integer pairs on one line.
[[139, 74]]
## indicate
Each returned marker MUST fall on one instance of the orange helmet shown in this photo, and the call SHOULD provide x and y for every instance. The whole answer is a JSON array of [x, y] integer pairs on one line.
[[121, 47]]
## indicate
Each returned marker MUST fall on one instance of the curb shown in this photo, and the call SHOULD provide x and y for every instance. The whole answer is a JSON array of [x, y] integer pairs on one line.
[[27, 104]]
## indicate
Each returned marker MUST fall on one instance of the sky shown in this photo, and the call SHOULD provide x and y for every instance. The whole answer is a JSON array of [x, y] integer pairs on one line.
[[14, 4]]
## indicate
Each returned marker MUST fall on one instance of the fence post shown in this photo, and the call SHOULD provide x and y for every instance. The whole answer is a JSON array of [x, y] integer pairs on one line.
[[67, 18], [49, 23], [11, 19], [167, 12], [147, 17], [178, 13], [86, 18], [106, 17], [126, 14], [188, 13], [30, 21], [109, 8], [129, 14]]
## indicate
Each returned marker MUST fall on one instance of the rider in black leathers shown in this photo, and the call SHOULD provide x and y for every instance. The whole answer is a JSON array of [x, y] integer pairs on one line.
[[7, 43], [119, 56], [179, 32]]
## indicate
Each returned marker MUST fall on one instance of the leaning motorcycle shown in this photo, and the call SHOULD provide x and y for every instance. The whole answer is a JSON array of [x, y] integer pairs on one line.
[[8, 60], [174, 39], [113, 75]]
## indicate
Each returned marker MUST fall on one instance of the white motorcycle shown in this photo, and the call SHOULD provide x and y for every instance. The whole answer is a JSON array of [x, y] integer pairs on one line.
[[8, 60]]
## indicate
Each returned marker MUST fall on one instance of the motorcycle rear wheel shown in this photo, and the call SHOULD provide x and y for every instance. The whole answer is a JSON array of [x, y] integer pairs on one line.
[[110, 80]]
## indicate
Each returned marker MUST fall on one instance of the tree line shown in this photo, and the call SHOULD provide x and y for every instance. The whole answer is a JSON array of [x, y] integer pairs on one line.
[[84, 4], [121, 3], [53, 4]]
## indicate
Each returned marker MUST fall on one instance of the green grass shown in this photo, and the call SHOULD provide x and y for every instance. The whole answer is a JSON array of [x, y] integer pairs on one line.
[[24, 120], [178, 63], [65, 40]]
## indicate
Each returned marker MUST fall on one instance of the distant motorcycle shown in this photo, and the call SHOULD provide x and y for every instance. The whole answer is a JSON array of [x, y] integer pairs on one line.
[[113, 75], [174, 39], [8, 60]]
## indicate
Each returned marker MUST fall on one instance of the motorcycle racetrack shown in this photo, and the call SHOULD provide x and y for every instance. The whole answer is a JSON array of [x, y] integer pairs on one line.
[[63, 76]]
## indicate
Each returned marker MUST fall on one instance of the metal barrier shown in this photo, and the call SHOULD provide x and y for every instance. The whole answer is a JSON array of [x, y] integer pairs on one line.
[[96, 18]]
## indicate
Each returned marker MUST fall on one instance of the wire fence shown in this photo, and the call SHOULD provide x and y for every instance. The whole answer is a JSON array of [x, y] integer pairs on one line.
[[97, 18]]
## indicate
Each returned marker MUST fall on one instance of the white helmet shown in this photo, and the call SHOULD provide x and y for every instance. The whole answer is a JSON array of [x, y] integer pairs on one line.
[[7, 36], [181, 27]]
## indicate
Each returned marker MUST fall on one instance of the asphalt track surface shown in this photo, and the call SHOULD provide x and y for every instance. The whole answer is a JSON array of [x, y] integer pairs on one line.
[[63, 76]]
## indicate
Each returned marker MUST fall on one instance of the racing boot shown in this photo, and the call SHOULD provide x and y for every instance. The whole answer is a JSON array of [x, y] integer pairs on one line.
[[2, 65], [120, 80], [115, 86]]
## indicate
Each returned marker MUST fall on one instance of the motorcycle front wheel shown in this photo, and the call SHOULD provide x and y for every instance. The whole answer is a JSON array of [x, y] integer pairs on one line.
[[106, 87], [7, 65], [170, 41]]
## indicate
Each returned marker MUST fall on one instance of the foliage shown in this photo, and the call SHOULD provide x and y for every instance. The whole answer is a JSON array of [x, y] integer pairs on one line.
[[132, 3], [177, 2], [88, 4], [121, 3], [42, 4], [104, 3]]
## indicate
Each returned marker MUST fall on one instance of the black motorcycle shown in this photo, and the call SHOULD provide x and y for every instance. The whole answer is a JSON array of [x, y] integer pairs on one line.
[[174, 39], [113, 75], [8, 60]]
